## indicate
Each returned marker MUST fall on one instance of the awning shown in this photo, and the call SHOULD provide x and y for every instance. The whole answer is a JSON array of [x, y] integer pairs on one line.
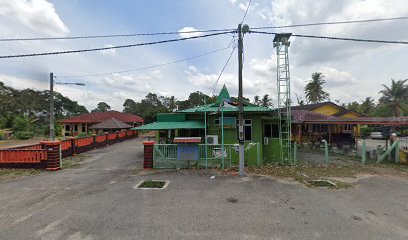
[[171, 125]]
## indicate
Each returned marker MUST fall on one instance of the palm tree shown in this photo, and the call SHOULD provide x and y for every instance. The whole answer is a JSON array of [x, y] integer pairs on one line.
[[314, 89], [257, 101], [266, 101], [393, 96]]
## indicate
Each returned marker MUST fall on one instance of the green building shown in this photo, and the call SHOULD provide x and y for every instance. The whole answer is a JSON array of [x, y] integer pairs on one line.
[[260, 132]]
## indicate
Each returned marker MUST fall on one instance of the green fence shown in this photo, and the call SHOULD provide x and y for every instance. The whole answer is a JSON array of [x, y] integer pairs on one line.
[[209, 156], [360, 152]]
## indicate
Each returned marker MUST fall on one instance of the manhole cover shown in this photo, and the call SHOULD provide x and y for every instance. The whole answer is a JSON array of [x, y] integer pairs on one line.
[[232, 200], [322, 183], [152, 184]]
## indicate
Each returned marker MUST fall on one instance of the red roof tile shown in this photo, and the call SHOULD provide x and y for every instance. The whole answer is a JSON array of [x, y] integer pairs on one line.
[[97, 117]]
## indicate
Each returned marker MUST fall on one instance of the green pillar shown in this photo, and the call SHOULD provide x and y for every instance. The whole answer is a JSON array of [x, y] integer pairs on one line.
[[363, 152], [326, 151], [157, 137]]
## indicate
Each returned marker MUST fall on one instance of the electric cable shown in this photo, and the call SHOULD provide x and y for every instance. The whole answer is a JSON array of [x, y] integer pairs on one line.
[[113, 47]]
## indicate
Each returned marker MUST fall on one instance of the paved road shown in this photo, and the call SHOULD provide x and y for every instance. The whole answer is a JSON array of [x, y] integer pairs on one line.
[[97, 201]]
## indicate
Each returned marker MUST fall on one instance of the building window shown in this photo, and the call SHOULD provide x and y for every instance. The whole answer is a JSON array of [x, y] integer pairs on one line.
[[247, 129], [67, 128], [348, 127], [75, 128], [271, 130], [83, 128]]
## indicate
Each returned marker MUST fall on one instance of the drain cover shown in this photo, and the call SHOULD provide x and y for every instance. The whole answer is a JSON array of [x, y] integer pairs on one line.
[[152, 184]]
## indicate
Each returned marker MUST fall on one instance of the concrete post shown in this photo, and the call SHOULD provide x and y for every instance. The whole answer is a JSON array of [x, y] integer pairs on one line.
[[53, 155], [73, 147], [94, 141]]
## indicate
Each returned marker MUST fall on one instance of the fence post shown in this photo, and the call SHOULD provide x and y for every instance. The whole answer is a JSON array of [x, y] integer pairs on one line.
[[94, 140], [106, 139], [363, 152], [53, 162], [117, 137], [258, 154], [148, 154], [326, 151], [397, 152], [295, 153], [73, 152]]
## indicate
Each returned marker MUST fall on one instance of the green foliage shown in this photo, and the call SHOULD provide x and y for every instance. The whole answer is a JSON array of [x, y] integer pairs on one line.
[[314, 89], [28, 110], [102, 107], [22, 124], [395, 96], [24, 135]]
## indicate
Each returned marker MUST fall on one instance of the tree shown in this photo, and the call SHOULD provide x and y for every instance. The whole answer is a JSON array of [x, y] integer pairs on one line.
[[394, 96], [257, 101], [367, 106], [102, 107], [266, 101], [129, 106], [314, 89]]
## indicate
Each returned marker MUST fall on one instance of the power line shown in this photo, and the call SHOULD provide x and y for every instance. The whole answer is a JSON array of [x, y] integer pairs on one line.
[[113, 47], [338, 38], [198, 31], [334, 23], [246, 11], [112, 35], [144, 68], [222, 71]]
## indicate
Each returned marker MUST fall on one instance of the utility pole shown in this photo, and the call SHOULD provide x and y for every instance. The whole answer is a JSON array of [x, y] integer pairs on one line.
[[241, 138], [52, 128]]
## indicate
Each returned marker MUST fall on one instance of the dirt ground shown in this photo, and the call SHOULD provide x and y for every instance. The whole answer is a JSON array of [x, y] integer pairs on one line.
[[4, 144]]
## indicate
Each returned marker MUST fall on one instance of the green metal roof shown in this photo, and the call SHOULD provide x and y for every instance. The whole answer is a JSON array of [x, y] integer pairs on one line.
[[171, 125], [212, 108], [171, 117]]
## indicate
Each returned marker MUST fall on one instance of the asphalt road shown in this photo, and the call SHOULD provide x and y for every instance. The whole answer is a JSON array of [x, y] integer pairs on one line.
[[97, 201]]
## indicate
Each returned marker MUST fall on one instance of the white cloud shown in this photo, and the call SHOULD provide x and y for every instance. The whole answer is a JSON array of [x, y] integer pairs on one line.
[[38, 15], [187, 32], [265, 67], [335, 78]]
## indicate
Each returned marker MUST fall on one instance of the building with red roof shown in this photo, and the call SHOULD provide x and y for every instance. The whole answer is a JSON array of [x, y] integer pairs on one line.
[[83, 123]]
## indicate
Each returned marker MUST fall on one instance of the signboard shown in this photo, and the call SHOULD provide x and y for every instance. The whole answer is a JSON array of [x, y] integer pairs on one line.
[[187, 152]]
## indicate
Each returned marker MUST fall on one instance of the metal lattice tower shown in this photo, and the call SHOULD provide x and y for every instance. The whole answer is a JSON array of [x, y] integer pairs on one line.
[[281, 43]]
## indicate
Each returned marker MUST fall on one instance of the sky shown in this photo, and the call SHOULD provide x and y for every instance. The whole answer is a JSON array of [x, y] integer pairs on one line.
[[352, 70]]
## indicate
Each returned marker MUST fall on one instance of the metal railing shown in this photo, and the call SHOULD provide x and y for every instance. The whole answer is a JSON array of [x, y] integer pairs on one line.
[[210, 155]]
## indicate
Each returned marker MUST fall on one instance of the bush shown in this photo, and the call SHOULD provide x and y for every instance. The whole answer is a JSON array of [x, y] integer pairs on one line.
[[24, 135]]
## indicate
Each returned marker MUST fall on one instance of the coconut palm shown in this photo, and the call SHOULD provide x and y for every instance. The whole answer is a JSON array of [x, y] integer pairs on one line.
[[257, 101], [266, 101], [394, 95], [314, 89]]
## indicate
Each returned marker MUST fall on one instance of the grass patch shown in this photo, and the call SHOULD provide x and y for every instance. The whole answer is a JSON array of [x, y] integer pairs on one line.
[[152, 184], [305, 172], [71, 162], [12, 173], [322, 183]]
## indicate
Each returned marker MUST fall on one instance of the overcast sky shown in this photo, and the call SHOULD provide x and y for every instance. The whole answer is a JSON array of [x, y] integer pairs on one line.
[[353, 70]]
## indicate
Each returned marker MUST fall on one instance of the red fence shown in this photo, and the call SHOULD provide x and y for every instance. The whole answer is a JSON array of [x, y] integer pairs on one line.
[[30, 147], [22, 156], [35, 154]]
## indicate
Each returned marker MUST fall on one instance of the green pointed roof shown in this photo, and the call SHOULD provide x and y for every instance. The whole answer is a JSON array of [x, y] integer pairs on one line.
[[224, 94]]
